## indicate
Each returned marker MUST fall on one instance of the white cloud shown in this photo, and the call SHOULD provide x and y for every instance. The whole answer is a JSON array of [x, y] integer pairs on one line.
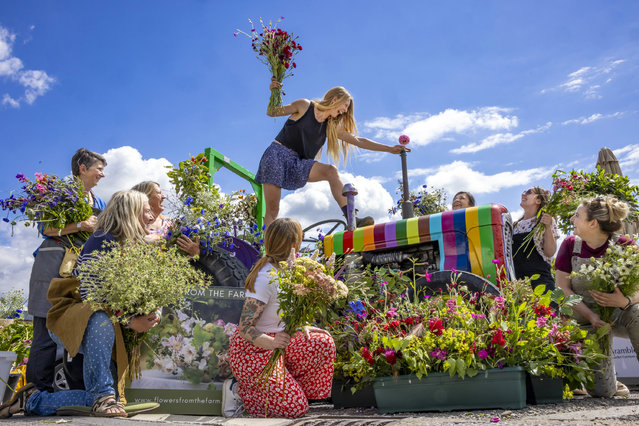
[[591, 119], [588, 80], [459, 176], [126, 167], [424, 129], [35, 82], [498, 139], [9, 101], [628, 156], [16, 256], [314, 202]]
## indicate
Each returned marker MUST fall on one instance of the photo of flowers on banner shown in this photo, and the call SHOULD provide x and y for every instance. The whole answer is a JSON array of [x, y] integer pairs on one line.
[[190, 348], [391, 328], [50, 201], [276, 49]]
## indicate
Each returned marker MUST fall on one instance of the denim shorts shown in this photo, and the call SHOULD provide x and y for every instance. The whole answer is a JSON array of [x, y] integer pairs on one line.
[[283, 167]]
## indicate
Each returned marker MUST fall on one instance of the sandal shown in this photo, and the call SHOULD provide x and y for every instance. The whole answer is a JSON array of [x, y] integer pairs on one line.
[[21, 397], [102, 405]]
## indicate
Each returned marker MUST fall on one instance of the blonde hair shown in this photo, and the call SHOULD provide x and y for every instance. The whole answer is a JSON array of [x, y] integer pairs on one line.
[[334, 147], [147, 187], [280, 236], [608, 211], [121, 218], [542, 195]]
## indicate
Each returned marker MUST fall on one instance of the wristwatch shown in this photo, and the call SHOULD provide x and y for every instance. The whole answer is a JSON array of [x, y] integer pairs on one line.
[[79, 225]]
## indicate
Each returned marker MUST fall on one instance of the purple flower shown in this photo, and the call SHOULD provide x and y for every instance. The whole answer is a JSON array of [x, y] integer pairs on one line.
[[500, 365], [482, 354], [21, 177], [496, 261]]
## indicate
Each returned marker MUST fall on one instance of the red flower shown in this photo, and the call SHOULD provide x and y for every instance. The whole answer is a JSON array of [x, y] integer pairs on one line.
[[436, 326], [498, 338], [390, 357]]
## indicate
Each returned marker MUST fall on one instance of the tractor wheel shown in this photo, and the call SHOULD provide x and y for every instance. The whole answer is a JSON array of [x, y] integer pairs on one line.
[[224, 269], [440, 280]]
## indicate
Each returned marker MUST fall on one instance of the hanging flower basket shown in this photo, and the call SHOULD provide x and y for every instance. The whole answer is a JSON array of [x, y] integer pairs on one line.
[[494, 388]]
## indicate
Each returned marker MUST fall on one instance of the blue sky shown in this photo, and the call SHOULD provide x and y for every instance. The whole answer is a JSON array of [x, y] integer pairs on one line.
[[495, 95]]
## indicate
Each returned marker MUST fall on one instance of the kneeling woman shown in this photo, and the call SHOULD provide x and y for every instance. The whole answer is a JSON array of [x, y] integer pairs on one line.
[[308, 361], [596, 221], [82, 330]]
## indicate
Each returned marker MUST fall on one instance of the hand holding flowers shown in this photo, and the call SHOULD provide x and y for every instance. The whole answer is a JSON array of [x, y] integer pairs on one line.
[[275, 48]]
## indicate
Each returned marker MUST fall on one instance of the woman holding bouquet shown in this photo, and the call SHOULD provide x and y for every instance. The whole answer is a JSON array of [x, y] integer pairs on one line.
[[81, 330], [596, 221], [158, 229], [88, 167], [533, 249], [289, 162], [308, 360]]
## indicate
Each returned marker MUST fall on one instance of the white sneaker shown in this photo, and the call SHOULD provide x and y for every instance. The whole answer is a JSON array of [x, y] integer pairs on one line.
[[622, 390], [231, 402]]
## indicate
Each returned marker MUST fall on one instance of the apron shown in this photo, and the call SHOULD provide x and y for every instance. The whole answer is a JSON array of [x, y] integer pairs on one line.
[[528, 265]]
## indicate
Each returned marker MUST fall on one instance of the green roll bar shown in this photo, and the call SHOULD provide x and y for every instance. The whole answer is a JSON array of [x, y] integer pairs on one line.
[[215, 161]]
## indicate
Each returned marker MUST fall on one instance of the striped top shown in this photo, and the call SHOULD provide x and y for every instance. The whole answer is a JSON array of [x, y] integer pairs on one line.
[[468, 239]]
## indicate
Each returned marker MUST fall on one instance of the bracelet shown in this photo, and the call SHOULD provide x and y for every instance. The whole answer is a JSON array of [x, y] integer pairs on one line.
[[629, 303]]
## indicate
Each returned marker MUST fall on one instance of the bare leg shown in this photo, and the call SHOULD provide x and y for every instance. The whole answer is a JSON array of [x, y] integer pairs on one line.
[[272, 194], [320, 172]]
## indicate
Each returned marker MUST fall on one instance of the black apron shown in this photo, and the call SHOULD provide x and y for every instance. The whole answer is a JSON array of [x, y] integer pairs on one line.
[[529, 262]]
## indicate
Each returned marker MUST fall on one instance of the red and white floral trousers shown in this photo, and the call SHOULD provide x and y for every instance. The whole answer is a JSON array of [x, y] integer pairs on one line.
[[307, 374]]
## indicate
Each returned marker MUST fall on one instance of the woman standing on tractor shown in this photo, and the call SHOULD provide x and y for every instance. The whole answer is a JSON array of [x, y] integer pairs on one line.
[[289, 162]]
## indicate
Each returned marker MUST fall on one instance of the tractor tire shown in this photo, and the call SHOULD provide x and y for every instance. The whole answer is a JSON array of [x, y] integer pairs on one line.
[[440, 280], [224, 269]]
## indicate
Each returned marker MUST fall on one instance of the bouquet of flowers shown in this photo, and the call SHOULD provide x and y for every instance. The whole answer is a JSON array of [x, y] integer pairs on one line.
[[242, 218], [306, 289], [571, 188], [50, 201], [276, 49], [618, 268], [15, 334], [424, 202], [201, 207], [195, 349], [137, 278]]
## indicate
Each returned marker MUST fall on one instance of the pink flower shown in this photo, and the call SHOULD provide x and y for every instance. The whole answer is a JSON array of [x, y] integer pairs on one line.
[[39, 176], [41, 189], [496, 261], [404, 139], [482, 354]]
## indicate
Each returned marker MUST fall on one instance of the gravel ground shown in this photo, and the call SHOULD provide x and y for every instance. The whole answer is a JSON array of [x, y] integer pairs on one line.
[[581, 410]]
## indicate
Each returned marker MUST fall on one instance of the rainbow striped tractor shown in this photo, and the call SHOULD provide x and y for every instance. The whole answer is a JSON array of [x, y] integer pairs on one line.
[[474, 244]]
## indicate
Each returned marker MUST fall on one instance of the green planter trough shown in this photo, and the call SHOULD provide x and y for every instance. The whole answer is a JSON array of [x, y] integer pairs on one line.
[[495, 388], [343, 397]]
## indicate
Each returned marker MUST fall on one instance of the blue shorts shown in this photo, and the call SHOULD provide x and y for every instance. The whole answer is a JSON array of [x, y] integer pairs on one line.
[[283, 167]]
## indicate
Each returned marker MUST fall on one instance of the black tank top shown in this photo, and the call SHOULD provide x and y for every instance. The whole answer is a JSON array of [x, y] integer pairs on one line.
[[306, 136]]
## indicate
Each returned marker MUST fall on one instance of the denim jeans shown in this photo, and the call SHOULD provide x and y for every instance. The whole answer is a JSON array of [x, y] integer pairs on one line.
[[97, 345]]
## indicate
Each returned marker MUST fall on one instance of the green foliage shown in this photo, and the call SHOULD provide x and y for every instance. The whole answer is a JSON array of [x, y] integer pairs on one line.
[[383, 331], [571, 188], [137, 278], [424, 202], [11, 304], [16, 336]]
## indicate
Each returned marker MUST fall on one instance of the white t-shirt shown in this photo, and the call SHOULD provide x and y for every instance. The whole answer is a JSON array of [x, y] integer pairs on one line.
[[266, 291]]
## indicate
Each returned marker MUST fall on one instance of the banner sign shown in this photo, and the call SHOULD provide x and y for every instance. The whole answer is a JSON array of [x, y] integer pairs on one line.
[[626, 364], [184, 359]]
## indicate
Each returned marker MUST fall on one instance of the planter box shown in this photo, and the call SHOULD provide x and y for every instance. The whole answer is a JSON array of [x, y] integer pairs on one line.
[[544, 390], [343, 397], [6, 362], [494, 388]]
